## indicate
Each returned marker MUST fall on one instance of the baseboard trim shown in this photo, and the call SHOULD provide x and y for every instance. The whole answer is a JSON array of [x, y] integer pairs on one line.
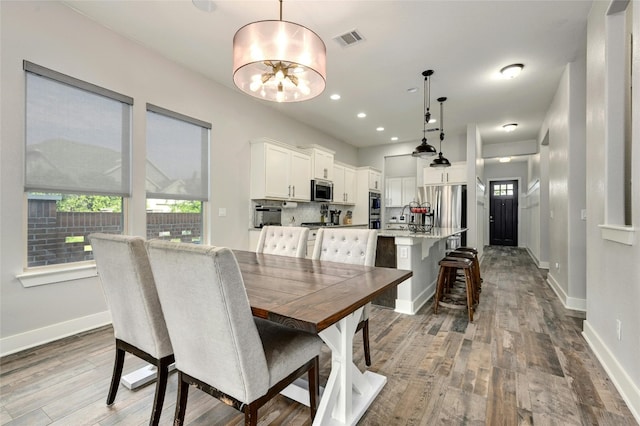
[[539, 264], [572, 303], [40, 336], [628, 390], [412, 307]]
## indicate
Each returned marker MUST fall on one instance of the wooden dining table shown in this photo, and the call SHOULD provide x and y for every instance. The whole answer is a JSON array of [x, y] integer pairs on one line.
[[326, 298]]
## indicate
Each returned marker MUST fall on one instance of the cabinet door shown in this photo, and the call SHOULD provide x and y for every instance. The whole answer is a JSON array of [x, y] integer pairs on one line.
[[393, 190], [300, 177], [350, 185], [433, 176], [277, 166], [322, 165], [374, 180], [408, 190], [457, 173], [338, 184]]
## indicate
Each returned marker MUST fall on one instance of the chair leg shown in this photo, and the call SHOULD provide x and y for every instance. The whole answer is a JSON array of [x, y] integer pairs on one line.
[[251, 414], [314, 387], [117, 374], [181, 401], [439, 288], [161, 387], [365, 341]]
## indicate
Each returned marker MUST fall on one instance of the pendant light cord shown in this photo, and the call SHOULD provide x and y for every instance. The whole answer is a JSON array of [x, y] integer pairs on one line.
[[281, 10]]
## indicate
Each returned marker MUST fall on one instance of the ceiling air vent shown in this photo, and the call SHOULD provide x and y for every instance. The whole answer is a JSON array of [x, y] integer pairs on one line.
[[349, 39]]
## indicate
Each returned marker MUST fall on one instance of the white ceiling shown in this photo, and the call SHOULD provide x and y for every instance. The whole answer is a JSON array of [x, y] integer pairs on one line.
[[464, 42]]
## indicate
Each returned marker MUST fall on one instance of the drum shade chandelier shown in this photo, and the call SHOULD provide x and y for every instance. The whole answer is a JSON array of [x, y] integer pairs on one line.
[[279, 61], [425, 150], [440, 161]]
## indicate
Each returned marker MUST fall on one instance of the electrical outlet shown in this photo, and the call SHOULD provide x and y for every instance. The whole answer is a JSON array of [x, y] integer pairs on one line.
[[557, 266], [222, 212], [619, 329]]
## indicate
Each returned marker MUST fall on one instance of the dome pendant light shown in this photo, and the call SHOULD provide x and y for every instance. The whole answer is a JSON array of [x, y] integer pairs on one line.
[[440, 161], [279, 61], [425, 150]]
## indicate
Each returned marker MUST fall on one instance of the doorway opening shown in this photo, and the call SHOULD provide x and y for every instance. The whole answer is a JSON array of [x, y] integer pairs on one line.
[[503, 213]]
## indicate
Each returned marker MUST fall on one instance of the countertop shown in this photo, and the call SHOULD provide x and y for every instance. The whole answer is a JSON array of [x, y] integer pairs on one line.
[[435, 233]]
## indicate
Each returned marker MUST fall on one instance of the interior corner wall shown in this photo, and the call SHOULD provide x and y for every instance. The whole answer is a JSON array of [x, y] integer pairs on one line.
[[475, 170]]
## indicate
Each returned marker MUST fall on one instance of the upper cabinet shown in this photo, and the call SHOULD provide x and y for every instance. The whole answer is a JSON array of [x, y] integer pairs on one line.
[[321, 162], [399, 191], [344, 184], [279, 172], [371, 175], [454, 175]]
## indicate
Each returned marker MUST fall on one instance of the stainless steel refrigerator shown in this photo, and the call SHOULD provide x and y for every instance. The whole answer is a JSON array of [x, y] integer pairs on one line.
[[449, 205]]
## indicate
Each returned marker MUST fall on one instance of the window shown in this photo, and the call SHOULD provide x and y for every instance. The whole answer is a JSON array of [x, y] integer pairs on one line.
[[503, 189], [177, 175], [77, 164]]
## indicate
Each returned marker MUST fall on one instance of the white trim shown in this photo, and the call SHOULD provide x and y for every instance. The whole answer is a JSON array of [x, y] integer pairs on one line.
[[572, 303], [624, 384], [40, 336], [32, 278], [539, 264], [619, 234], [413, 306]]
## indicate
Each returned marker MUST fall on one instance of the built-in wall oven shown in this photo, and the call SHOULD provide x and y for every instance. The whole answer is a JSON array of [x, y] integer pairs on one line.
[[321, 190], [374, 210]]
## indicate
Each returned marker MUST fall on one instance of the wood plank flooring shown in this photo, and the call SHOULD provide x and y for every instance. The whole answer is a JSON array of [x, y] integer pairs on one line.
[[522, 361]]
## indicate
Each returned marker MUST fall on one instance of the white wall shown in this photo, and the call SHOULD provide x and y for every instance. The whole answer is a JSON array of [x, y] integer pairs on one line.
[[612, 269], [564, 125], [52, 35]]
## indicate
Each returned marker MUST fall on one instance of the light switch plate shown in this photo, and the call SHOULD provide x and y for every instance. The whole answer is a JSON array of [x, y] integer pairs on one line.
[[222, 211]]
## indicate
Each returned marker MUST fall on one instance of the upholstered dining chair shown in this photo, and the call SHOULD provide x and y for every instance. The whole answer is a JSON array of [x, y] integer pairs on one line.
[[219, 346], [138, 323], [283, 240], [354, 246]]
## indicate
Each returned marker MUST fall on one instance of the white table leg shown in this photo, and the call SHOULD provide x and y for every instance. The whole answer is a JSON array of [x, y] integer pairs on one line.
[[349, 392]]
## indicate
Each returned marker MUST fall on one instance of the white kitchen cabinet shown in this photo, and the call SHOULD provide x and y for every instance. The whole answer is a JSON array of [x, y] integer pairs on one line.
[[456, 174], [321, 162], [372, 176], [344, 184], [279, 172], [400, 191]]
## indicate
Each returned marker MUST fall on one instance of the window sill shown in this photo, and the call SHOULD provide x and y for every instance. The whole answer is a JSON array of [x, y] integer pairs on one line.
[[619, 234], [34, 277]]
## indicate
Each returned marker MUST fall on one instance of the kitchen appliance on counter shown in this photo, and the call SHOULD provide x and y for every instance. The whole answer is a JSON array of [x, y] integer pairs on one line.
[[335, 216], [266, 216], [375, 204], [321, 190], [449, 206]]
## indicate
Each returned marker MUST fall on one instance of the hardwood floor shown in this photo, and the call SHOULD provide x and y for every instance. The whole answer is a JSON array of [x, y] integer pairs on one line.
[[522, 361]]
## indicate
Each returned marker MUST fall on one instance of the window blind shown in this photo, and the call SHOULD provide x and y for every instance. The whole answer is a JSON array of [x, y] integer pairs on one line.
[[177, 156]]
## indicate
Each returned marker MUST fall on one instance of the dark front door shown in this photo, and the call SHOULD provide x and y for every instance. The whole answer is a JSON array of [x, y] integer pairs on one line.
[[503, 215]]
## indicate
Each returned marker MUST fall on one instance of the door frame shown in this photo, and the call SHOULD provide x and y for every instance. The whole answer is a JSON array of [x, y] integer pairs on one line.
[[488, 207]]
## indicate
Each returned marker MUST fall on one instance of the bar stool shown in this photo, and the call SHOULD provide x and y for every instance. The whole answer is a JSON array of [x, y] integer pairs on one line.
[[446, 281], [475, 271]]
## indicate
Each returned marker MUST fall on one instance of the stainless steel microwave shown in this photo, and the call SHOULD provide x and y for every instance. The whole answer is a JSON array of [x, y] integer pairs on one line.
[[321, 190]]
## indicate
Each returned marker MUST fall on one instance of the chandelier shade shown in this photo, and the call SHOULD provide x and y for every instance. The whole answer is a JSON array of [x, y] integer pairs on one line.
[[279, 61]]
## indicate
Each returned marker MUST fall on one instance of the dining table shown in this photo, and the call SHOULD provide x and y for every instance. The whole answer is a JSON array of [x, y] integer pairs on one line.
[[321, 297], [326, 298]]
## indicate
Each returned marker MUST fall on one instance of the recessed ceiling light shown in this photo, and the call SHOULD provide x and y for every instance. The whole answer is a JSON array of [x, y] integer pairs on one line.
[[380, 129], [394, 138], [204, 5], [433, 120], [504, 159], [361, 115], [511, 71], [334, 97], [412, 89], [510, 127]]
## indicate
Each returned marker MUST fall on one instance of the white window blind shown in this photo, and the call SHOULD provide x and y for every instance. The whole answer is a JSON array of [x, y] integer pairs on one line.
[[77, 135], [177, 156]]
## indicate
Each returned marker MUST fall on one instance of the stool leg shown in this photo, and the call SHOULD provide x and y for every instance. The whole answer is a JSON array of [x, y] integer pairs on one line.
[[470, 291], [439, 287]]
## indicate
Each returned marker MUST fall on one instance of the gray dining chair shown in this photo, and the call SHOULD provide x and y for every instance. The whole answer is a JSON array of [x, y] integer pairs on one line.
[[219, 346], [138, 323], [283, 240], [353, 246]]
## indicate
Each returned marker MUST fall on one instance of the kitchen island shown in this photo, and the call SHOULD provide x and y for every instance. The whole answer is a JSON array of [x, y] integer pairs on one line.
[[418, 252]]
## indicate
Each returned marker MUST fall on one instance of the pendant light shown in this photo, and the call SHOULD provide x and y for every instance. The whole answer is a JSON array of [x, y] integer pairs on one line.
[[440, 161], [279, 61], [425, 150]]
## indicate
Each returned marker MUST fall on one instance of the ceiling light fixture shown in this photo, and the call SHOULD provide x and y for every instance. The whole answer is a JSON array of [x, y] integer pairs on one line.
[[334, 97], [510, 127], [511, 71], [440, 161], [361, 115], [279, 61], [425, 150], [380, 129], [394, 138], [504, 159]]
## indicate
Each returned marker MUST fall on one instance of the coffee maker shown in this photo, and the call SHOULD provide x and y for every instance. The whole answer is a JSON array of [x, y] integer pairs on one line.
[[335, 216]]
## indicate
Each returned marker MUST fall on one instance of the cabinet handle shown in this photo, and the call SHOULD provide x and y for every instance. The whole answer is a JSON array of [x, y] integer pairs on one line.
[[326, 173], [289, 195], [294, 191]]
